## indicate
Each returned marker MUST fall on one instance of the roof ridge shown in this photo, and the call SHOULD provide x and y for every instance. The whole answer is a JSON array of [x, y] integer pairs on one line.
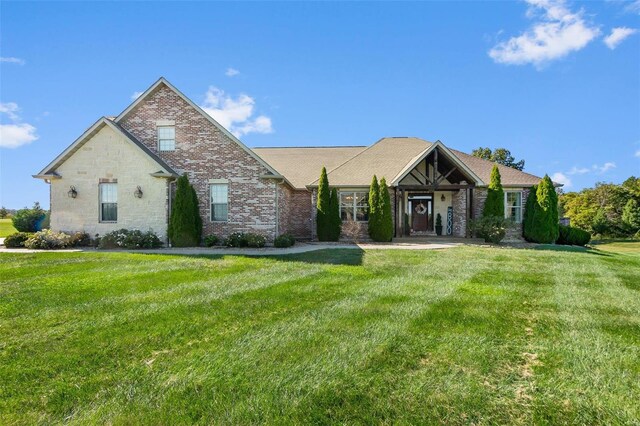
[[315, 146]]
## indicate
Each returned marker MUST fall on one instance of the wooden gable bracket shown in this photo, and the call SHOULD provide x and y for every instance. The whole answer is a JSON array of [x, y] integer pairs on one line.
[[443, 177]]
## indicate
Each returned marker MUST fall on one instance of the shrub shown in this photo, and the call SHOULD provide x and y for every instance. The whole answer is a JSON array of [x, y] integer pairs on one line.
[[236, 239], [255, 240], [80, 239], [185, 223], [17, 240], [211, 240], [48, 240], [386, 219], [130, 239], [334, 221], [491, 228], [374, 204], [541, 216], [571, 236], [29, 220], [284, 240], [322, 207]]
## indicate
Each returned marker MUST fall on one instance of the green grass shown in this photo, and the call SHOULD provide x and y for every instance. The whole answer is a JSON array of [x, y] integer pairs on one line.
[[619, 246], [6, 228], [460, 336]]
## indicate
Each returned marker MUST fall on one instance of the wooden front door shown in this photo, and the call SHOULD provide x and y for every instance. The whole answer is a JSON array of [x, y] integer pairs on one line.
[[422, 215]]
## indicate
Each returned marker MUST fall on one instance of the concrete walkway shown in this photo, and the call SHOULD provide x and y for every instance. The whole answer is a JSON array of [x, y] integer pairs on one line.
[[266, 251]]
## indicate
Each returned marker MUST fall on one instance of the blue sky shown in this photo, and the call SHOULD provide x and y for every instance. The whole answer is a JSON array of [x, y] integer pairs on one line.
[[558, 83]]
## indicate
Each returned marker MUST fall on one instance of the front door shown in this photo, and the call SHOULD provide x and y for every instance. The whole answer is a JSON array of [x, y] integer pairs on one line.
[[421, 214]]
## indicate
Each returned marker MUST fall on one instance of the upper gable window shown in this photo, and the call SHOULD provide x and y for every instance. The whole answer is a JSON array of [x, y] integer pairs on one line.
[[166, 138]]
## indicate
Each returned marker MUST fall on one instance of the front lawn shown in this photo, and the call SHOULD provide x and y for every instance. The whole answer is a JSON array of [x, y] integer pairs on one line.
[[465, 335], [6, 227]]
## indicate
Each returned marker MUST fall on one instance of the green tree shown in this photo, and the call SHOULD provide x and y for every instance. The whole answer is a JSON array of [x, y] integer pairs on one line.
[[374, 203], [386, 220], [185, 223], [322, 207], [494, 204], [3, 212], [29, 220], [541, 225], [528, 219], [631, 215], [500, 155], [334, 221]]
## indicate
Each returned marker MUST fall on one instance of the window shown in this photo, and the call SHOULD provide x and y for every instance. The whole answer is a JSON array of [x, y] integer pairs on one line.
[[219, 202], [108, 202], [513, 206], [354, 206], [166, 138]]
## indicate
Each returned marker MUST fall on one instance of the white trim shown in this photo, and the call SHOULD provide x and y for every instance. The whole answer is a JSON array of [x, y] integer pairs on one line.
[[508, 209], [450, 155], [164, 81]]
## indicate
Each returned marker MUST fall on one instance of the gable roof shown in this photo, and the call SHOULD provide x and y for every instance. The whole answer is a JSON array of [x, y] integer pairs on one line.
[[508, 175], [302, 165], [49, 171], [163, 81]]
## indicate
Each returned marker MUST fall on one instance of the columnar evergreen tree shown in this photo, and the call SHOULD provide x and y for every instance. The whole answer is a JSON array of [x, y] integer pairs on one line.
[[322, 207], [528, 219], [494, 205], [185, 223], [374, 201], [335, 222], [386, 220], [541, 221]]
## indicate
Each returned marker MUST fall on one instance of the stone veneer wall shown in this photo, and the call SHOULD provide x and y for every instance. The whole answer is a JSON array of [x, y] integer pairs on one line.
[[514, 233], [110, 157], [204, 152], [459, 203]]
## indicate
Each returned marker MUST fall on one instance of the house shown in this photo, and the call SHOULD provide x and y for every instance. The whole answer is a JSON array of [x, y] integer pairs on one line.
[[121, 172]]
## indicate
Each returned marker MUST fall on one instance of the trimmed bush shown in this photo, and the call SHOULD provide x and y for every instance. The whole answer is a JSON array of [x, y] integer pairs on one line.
[[334, 221], [494, 204], [373, 220], [491, 228], [185, 224], [571, 236], [29, 220], [211, 240], [284, 240], [541, 216], [48, 240], [17, 240], [322, 207], [80, 239], [386, 219], [130, 239], [240, 239]]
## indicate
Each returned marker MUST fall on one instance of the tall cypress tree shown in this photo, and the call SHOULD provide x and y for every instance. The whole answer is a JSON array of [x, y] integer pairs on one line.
[[374, 203], [541, 222], [322, 207], [185, 223], [529, 218], [335, 222], [386, 220], [494, 204]]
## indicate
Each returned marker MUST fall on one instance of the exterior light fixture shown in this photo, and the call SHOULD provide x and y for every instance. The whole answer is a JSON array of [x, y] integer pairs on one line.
[[443, 198], [72, 192], [138, 192]]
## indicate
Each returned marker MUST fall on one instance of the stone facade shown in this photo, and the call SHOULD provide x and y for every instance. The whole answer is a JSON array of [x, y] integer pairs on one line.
[[459, 203], [205, 152], [110, 157]]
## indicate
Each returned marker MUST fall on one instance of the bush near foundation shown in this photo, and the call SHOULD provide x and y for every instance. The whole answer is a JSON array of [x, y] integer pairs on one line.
[[17, 240], [48, 240], [284, 240], [130, 239], [570, 236]]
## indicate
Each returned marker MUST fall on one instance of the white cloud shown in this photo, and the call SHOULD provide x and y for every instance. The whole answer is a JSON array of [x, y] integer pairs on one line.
[[231, 72], [604, 168], [557, 32], [633, 6], [136, 95], [235, 114], [617, 36], [15, 134], [637, 154], [12, 60], [559, 177], [578, 170]]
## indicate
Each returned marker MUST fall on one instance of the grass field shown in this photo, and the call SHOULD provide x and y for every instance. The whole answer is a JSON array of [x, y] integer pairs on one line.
[[6, 228], [460, 336]]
